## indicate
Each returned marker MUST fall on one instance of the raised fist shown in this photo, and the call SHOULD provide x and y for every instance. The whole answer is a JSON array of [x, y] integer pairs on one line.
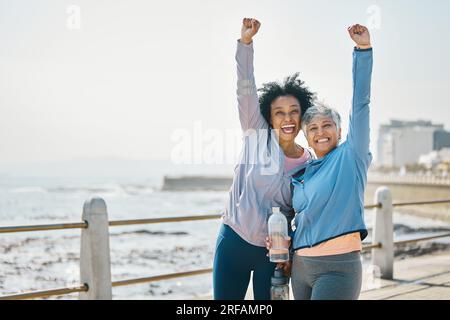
[[360, 35], [249, 28]]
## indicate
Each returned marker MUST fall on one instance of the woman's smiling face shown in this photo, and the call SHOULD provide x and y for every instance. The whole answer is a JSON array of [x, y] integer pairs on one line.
[[322, 135], [285, 117]]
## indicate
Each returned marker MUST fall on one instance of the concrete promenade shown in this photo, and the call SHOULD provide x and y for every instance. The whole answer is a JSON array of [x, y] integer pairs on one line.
[[419, 278]]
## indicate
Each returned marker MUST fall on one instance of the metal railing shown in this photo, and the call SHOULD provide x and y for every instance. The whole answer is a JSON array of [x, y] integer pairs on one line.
[[400, 242], [44, 227], [413, 203], [161, 277], [46, 293], [163, 220], [85, 226]]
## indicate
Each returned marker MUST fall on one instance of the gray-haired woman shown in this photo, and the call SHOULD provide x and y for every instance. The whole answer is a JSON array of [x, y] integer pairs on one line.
[[328, 193]]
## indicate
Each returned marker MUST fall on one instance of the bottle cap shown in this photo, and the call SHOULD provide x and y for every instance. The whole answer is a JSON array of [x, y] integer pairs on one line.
[[275, 209], [279, 278]]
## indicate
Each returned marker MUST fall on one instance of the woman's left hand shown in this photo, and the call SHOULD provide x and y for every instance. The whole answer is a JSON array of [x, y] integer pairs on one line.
[[360, 34], [286, 266], [286, 244]]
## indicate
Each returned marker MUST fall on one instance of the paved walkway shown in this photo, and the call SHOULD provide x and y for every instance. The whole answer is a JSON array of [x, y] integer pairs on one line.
[[421, 278]]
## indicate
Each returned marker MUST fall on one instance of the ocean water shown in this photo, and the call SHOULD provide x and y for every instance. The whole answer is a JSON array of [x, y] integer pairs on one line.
[[50, 259]]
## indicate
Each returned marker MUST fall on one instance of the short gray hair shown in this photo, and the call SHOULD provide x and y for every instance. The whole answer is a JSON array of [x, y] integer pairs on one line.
[[320, 110]]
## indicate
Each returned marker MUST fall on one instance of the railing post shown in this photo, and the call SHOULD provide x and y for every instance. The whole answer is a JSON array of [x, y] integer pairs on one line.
[[383, 232], [95, 262]]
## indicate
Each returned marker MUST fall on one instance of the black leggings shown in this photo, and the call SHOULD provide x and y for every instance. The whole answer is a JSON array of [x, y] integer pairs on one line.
[[234, 259]]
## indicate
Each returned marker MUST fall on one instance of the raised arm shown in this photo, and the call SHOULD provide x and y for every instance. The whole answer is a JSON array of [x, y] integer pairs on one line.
[[248, 104], [359, 132]]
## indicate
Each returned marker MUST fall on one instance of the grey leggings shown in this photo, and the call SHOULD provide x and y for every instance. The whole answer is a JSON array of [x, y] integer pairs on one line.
[[336, 277]]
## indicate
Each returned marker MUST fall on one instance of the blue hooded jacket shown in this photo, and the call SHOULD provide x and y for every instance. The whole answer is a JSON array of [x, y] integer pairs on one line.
[[328, 194]]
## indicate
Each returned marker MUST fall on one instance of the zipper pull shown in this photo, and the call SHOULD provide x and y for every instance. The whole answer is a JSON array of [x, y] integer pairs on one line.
[[293, 225]]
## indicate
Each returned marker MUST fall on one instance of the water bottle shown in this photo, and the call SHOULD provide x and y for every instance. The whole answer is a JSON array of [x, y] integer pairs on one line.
[[278, 231], [280, 286]]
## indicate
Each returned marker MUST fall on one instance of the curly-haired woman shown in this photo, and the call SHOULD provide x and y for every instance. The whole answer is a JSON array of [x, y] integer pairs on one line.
[[262, 179]]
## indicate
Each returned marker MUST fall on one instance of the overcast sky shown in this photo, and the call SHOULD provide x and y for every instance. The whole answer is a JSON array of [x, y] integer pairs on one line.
[[122, 78]]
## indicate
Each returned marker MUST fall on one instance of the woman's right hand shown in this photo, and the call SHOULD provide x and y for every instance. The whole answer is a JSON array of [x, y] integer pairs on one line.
[[360, 35], [250, 27]]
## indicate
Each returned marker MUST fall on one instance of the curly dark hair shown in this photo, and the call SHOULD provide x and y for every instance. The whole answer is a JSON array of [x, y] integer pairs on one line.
[[292, 86]]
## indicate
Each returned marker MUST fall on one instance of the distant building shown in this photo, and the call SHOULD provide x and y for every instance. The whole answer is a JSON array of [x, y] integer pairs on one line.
[[403, 142], [441, 139]]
